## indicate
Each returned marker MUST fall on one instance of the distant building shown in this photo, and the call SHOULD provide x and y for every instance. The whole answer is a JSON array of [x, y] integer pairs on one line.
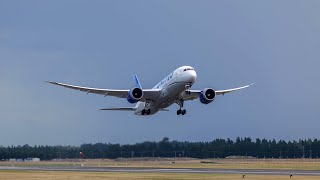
[[25, 160], [32, 159]]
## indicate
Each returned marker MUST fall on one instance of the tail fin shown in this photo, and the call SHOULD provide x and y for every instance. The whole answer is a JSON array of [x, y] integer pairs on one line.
[[137, 81]]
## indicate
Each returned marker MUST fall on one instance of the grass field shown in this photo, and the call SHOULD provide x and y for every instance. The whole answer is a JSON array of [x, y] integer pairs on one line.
[[290, 164], [43, 175]]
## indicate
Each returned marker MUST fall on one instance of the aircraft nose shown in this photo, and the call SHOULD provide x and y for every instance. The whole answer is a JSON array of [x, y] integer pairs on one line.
[[193, 76]]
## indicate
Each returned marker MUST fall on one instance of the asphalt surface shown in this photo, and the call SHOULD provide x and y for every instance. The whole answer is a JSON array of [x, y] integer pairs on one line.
[[169, 170]]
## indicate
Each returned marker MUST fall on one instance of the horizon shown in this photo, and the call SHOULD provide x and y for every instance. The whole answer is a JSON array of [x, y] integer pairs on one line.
[[170, 140]]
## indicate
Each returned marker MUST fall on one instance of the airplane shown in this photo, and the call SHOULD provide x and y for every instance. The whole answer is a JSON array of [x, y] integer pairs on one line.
[[175, 88]]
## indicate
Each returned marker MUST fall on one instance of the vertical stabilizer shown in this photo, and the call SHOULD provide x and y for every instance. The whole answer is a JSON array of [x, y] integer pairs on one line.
[[137, 81]]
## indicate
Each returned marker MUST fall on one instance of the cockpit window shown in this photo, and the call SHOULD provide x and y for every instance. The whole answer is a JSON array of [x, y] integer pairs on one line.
[[188, 69]]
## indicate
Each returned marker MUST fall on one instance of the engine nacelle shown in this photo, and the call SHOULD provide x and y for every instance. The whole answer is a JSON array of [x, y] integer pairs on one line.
[[207, 96], [135, 95]]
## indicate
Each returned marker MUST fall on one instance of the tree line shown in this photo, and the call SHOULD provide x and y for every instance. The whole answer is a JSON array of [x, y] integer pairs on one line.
[[218, 148]]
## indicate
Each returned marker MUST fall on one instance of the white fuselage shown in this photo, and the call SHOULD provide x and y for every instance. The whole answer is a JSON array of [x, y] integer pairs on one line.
[[172, 89]]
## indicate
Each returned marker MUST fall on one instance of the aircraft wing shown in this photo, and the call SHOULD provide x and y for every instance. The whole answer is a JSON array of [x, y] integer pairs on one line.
[[194, 94], [149, 94], [120, 109], [125, 109]]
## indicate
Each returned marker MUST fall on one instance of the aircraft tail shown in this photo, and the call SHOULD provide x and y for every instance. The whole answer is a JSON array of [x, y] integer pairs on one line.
[[137, 81]]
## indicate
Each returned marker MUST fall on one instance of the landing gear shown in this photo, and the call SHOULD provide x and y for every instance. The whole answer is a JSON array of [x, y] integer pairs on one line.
[[181, 110], [146, 112], [188, 92]]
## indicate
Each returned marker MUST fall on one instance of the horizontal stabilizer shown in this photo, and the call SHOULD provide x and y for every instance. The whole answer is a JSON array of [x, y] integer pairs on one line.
[[120, 109]]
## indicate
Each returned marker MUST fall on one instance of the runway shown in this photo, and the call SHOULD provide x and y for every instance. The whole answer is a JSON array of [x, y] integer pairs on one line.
[[168, 170]]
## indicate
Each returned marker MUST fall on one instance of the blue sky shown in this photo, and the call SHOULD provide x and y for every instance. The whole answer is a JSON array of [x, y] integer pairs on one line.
[[274, 44]]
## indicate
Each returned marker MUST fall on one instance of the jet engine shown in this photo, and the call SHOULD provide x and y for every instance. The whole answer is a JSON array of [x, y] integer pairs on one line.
[[135, 95], [207, 96]]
